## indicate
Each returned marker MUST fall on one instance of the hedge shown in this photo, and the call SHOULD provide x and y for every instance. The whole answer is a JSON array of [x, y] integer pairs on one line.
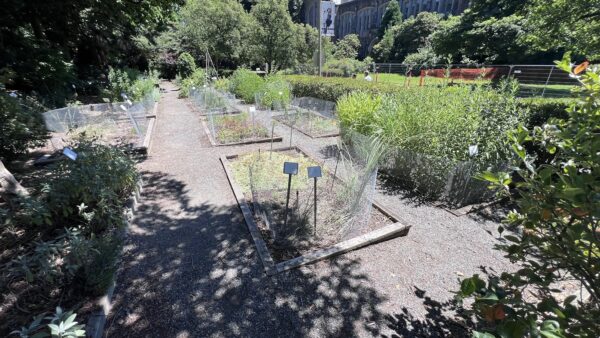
[[331, 89]]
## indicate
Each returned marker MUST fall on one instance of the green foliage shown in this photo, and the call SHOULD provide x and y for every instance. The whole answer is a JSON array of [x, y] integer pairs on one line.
[[275, 39], [196, 80], [347, 48], [406, 37], [185, 65], [219, 26], [346, 67], [542, 109], [391, 17], [331, 89], [91, 190], [559, 215], [71, 40], [436, 126], [425, 57], [58, 325], [131, 83], [276, 92], [578, 29], [245, 84], [222, 84], [21, 127]]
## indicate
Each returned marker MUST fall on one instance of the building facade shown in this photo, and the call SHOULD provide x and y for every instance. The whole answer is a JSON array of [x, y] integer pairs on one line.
[[363, 17]]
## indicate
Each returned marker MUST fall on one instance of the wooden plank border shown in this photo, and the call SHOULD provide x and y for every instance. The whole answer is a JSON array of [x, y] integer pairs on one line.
[[261, 246], [386, 233]]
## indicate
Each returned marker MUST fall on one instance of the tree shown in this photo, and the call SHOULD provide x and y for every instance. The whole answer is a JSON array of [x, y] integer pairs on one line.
[[275, 38], [217, 26], [559, 214], [347, 48], [407, 37], [47, 45], [391, 17], [572, 24]]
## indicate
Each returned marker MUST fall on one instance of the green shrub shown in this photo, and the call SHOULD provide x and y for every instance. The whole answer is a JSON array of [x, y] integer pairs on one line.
[[431, 131], [275, 93], [185, 65], [145, 86], [222, 84], [245, 84], [195, 80], [558, 212], [20, 128], [132, 83], [542, 109], [331, 89], [60, 324], [92, 190], [345, 67]]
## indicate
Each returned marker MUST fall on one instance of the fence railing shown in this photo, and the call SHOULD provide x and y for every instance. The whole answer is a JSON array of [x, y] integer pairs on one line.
[[534, 80]]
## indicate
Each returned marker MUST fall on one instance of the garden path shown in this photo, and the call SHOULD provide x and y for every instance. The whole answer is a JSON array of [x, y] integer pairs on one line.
[[190, 268]]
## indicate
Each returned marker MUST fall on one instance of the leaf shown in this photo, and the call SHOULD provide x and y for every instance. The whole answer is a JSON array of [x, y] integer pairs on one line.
[[581, 68], [477, 334]]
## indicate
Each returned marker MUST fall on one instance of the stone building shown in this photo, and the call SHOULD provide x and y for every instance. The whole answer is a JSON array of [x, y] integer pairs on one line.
[[363, 17]]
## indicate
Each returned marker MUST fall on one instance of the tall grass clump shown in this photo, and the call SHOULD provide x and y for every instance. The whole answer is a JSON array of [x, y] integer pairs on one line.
[[440, 137], [245, 84]]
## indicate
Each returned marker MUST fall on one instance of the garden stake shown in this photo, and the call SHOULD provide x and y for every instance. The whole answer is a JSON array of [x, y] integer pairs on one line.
[[289, 168], [315, 172], [337, 160], [272, 130]]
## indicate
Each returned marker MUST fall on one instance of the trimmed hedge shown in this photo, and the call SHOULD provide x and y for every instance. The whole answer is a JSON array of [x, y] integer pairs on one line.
[[331, 89]]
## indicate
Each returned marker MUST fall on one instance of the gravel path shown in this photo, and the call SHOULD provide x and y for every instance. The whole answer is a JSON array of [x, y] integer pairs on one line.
[[190, 268]]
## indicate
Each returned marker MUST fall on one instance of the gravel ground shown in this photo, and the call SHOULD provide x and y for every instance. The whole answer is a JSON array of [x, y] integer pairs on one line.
[[190, 268]]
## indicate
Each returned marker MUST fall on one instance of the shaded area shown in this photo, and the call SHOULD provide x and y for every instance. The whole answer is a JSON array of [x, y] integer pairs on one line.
[[437, 323], [191, 270]]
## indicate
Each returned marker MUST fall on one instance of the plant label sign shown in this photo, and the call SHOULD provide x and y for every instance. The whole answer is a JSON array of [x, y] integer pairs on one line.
[[473, 150], [252, 109], [70, 153], [314, 172], [290, 168]]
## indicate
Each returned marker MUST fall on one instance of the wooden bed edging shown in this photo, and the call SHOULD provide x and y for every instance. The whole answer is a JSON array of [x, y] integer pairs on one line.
[[261, 246], [215, 144], [376, 236]]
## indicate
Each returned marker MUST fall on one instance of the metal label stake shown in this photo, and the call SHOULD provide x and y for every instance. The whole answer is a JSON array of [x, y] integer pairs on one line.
[[289, 168], [315, 172]]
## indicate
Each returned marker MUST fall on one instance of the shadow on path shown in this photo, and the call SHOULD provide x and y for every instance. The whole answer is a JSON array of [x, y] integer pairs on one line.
[[192, 271]]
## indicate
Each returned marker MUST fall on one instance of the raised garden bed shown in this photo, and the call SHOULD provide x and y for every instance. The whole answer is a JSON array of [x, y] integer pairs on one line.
[[260, 188], [236, 129], [309, 123]]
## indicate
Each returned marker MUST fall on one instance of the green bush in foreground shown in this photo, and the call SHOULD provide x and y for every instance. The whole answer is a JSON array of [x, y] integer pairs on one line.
[[245, 84], [275, 93], [559, 214]]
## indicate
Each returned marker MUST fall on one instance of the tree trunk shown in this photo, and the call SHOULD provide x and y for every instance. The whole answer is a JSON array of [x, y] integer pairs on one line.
[[9, 186]]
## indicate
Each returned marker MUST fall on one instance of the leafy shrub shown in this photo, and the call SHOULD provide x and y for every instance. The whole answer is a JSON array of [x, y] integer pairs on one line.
[[542, 109], [21, 128], [559, 209], [144, 86], [92, 189], [345, 67], [433, 130], [132, 83], [222, 84], [331, 89], [185, 65], [245, 84], [196, 79], [275, 93], [59, 325]]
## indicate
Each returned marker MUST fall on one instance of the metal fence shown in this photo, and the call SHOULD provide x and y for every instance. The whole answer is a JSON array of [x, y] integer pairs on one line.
[[110, 122], [534, 80]]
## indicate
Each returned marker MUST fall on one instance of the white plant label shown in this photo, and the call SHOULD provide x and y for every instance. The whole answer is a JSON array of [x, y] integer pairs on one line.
[[123, 107], [473, 150], [68, 152], [252, 109]]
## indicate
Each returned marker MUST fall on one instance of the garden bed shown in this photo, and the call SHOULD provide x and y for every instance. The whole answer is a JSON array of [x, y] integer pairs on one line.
[[260, 189], [311, 124], [236, 129]]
